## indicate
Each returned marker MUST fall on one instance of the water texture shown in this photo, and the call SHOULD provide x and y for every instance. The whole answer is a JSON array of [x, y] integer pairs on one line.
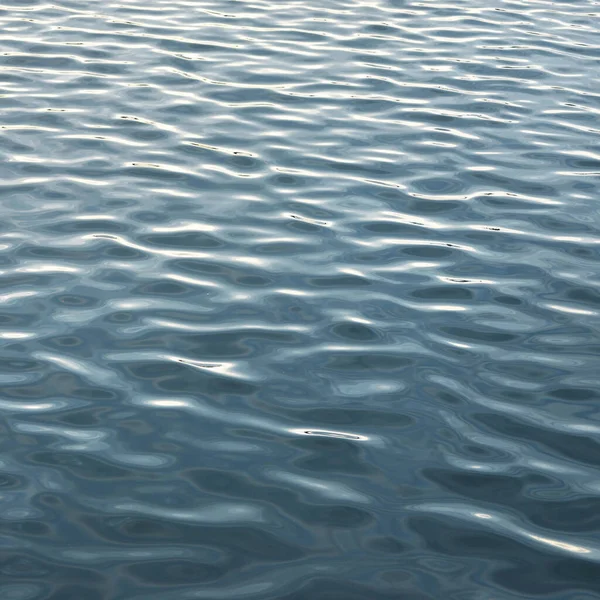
[[300, 300]]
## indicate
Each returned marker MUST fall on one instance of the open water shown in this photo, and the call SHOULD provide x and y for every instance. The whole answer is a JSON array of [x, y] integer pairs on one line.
[[299, 300]]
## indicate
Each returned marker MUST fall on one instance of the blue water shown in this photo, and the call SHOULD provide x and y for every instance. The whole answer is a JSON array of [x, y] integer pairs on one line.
[[300, 300]]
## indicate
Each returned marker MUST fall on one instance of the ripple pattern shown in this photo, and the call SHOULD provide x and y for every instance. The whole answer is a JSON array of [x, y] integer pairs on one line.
[[299, 300]]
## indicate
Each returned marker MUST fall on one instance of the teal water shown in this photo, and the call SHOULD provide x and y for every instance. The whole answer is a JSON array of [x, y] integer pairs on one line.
[[299, 300]]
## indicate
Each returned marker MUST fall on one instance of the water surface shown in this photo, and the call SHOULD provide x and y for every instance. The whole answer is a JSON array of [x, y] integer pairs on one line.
[[299, 300]]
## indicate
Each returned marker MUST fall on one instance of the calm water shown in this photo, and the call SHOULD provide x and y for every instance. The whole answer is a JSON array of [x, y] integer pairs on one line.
[[300, 300]]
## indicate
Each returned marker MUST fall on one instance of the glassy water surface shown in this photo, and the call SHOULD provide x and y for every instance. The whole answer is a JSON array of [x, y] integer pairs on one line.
[[299, 300]]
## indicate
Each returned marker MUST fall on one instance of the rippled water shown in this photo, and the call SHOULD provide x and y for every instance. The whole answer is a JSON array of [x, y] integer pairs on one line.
[[300, 300]]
